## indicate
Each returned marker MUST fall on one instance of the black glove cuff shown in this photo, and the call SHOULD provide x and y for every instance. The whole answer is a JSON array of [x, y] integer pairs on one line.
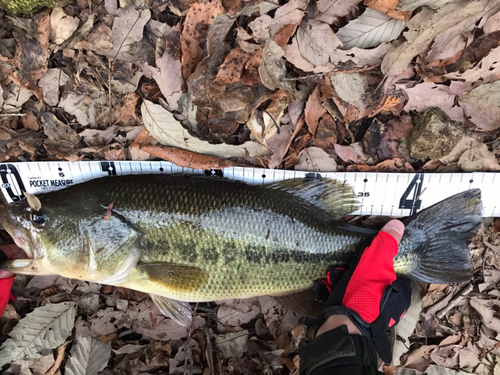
[[3, 257], [334, 348]]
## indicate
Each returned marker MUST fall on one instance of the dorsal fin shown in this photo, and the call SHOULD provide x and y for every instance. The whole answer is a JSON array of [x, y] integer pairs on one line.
[[335, 197]]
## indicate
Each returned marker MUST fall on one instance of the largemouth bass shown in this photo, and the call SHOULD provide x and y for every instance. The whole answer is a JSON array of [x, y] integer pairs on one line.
[[185, 238]]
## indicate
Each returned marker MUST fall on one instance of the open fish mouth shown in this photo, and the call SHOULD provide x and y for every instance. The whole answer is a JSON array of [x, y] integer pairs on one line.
[[9, 223]]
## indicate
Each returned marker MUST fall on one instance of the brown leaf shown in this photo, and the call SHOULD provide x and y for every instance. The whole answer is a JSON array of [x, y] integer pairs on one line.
[[57, 131], [32, 54], [126, 109], [33, 201], [393, 104], [115, 153], [63, 150], [250, 75], [358, 56], [449, 45], [231, 69], [62, 25], [272, 70], [127, 32], [382, 140], [330, 11], [393, 165], [188, 159], [284, 34], [351, 154], [327, 129], [314, 111], [29, 121], [389, 7], [235, 6], [317, 42], [315, 159], [428, 94], [199, 17], [280, 146], [423, 28], [291, 12]]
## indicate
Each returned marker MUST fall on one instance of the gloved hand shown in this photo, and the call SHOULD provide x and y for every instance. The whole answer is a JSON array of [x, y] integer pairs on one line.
[[369, 293], [7, 278]]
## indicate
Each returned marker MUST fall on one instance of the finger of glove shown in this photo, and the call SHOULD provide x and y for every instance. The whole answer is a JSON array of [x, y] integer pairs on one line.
[[5, 286], [335, 275], [397, 302], [322, 289], [374, 272]]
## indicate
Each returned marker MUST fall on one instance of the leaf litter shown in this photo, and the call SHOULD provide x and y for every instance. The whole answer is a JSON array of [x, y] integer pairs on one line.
[[330, 85]]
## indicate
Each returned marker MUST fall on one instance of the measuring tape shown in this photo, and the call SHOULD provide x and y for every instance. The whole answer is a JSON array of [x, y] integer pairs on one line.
[[393, 194]]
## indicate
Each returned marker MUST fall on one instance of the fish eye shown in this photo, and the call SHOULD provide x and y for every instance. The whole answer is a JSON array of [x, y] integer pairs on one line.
[[38, 219]]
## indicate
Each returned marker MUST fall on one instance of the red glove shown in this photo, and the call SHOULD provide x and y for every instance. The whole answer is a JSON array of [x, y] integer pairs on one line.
[[370, 294], [5, 294], [6, 280]]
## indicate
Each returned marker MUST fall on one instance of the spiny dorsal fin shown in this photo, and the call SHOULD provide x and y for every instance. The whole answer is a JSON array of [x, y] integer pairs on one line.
[[178, 311], [335, 197], [173, 276]]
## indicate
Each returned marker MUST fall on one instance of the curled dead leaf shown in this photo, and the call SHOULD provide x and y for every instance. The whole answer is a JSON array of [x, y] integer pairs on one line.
[[188, 159], [33, 201]]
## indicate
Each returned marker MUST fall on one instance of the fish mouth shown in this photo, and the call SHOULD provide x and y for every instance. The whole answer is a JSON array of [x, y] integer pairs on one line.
[[9, 223]]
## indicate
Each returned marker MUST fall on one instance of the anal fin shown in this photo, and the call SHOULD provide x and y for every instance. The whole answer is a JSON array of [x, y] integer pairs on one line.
[[303, 302], [176, 277], [178, 311]]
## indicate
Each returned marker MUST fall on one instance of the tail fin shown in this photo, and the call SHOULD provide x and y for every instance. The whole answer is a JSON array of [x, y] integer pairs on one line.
[[434, 247]]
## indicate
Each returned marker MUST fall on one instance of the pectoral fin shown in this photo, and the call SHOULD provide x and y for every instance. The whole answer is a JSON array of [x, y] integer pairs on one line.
[[177, 277], [178, 311]]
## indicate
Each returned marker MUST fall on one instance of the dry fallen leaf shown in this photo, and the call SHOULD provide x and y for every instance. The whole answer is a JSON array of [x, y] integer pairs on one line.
[[317, 42], [427, 94], [231, 69], [389, 7], [33, 201], [50, 83], [200, 16], [165, 128], [330, 11], [127, 31], [315, 159], [187, 159], [62, 26], [370, 29], [423, 28]]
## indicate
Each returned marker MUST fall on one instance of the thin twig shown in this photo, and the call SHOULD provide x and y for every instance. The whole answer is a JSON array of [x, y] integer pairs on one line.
[[418, 196], [274, 121], [321, 75], [12, 115], [209, 352], [59, 358], [188, 361]]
